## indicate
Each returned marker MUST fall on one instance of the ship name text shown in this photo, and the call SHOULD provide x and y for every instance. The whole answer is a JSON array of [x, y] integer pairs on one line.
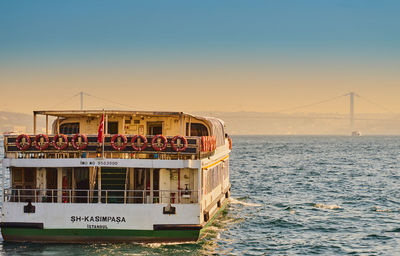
[[113, 219]]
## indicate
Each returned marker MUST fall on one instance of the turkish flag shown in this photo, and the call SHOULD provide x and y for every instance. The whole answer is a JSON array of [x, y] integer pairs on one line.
[[101, 130]]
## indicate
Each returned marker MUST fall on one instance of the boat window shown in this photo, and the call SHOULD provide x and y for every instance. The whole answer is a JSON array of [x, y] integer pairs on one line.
[[81, 177], [51, 178], [23, 178], [69, 128], [218, 131], [112, 127], [17, 175], [197, 129], [154, 128]]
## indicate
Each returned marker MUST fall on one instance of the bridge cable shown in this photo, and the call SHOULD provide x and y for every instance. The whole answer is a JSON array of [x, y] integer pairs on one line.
[[375, 104], [310, 105], [107, 100]]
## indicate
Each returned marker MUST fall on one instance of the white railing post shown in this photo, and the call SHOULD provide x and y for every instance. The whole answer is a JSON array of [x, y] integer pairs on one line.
[[3, 179]]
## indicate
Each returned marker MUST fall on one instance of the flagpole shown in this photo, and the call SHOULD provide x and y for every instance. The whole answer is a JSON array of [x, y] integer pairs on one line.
[[103, 132]]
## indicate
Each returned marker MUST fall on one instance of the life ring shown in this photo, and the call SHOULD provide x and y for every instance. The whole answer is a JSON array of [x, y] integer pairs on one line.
[[159, 145], [23, 144], [60, 145], [42, 142], [179, 147], [138, 147], [79, 144], [230, 142], [118, 142], [203, 143], [215, 142]]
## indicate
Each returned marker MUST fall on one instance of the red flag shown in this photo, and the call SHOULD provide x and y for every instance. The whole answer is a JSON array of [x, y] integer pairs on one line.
[[101, 130]]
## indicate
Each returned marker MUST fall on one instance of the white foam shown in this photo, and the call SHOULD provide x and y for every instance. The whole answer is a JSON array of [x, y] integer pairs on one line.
[[235, 201], [157, 245], [377, 209], [212, 228], [327, 206]]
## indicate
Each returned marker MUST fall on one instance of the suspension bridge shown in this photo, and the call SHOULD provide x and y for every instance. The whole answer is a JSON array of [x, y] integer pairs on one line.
[[350, 98]]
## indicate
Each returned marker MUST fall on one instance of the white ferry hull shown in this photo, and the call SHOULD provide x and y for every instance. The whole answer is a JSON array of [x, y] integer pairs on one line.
[[84, 223], [123, 223]]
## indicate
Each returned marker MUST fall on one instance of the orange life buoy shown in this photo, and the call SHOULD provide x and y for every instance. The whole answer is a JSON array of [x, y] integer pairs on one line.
[[178, 146], [230, 142], [42, 142], [118, 142], [159, 142], [136, 144], [79, 141], [60, 144], [23, 142]]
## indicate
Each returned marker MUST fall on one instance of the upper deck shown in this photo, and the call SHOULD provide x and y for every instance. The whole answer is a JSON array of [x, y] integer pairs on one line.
[[200, 136]]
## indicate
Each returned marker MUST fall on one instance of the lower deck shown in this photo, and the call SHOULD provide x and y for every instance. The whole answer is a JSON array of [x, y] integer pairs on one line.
[[103, 185], [98, 204], [73, 223]]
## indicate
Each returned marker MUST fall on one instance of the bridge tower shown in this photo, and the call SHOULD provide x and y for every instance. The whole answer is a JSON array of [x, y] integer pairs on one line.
[[351, 94]]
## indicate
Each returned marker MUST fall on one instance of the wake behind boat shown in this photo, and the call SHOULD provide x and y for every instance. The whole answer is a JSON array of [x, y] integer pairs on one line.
[[115, 176]]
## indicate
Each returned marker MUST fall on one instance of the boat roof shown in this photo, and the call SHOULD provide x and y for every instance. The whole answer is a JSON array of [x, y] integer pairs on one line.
[[217, 126], [74, 113]]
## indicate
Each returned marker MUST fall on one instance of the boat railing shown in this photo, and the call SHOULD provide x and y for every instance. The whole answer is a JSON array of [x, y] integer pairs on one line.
[[18, 147], [100, 196]]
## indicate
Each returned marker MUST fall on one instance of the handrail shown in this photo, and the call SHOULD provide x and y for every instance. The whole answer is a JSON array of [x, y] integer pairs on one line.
[[106, 196], [194, 148]]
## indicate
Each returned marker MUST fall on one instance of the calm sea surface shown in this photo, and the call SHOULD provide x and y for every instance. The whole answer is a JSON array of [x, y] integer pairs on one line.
[[291, 195]]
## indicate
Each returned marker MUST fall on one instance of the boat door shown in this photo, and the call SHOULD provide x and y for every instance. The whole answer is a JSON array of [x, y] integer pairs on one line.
[[113, 179], [154, 128], [146, 185]]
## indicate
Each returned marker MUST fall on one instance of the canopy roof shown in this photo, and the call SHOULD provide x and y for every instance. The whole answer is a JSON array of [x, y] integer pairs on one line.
[[216, 125], [74, 113]]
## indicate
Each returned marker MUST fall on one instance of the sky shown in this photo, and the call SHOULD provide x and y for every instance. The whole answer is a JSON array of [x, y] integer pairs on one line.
[[225, 55]]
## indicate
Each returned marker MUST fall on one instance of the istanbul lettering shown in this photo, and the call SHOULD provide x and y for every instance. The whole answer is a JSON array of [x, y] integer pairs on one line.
[[97, 226], [97, 219]]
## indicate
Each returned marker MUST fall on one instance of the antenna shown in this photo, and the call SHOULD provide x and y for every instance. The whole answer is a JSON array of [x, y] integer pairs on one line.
[[81, 93], [352, 110]]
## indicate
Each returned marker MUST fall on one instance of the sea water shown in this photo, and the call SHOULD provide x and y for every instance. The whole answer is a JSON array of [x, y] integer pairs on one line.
[[291, 195]]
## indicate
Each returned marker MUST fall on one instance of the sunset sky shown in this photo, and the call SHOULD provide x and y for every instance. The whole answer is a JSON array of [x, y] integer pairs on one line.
[[200, 55]]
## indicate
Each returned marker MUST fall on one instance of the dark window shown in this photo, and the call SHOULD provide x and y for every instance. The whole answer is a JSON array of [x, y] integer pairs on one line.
[[69, 128], [112, 127], [197, 129], [154, 128]]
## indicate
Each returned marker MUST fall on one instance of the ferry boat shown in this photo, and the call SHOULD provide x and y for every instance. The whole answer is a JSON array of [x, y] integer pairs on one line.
[[115, 176]]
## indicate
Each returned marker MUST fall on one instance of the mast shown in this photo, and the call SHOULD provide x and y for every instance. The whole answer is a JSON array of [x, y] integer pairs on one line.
[[351, 111], [81, 93]]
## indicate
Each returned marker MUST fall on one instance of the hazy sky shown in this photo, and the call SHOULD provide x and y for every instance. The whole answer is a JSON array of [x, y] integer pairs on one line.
[[223, 55]]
